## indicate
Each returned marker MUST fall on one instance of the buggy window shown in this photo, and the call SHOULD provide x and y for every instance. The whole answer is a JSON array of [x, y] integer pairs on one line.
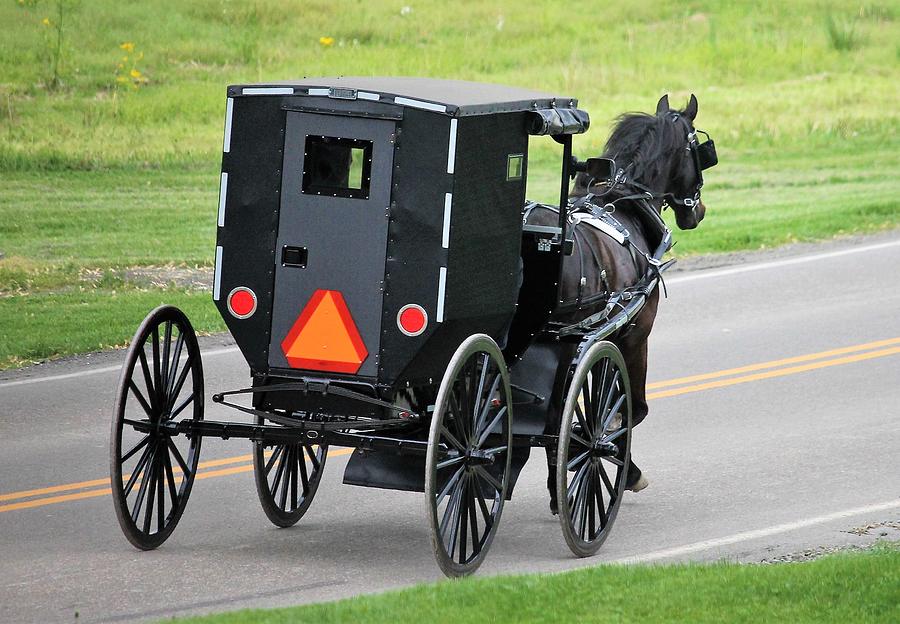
[[337, 167]]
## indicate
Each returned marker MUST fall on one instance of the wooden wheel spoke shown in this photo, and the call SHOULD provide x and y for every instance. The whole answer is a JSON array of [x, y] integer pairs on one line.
[[449, 463], [298, 459], [485, 512], [601, 508], [612, 414], [588, 408], [452, 439], [484, 474], [604, 413], [449, 519], [274, 458], [457, 415], [613, 460], [134, 449], [175, 391], [577, 460], [148, 381], [486, 407], [598, 382], [157, 379], [180, 408], [447, 486], [582, 421], [487, 430], [304, 476], [151, 495], [170, 479], [181, 463], [279, 473], [142, 490], [140, 398], [473, 522], [606, 482], [577, 438], [576, 481], [160, 493], [136, 473], [615, 435], [282, 497], [312, 457], [592, 499], [464, 520], [173, 368], [164, 370]]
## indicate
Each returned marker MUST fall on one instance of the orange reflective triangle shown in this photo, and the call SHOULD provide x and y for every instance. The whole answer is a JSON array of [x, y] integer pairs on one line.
[[324, 336]]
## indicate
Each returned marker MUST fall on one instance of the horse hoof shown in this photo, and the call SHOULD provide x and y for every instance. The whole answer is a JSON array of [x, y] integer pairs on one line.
[[639, 485], [554, 508]]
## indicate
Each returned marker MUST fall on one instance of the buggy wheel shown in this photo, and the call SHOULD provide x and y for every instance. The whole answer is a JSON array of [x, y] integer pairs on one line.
[[469, 452], [287, 477], [594, 448], [152, 468]]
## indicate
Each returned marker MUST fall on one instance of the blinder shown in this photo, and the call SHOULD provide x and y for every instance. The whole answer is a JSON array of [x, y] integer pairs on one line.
[[705, 153]]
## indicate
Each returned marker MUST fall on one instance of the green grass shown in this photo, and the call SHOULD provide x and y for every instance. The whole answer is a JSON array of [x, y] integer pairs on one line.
[[97, 174], [861, 587]]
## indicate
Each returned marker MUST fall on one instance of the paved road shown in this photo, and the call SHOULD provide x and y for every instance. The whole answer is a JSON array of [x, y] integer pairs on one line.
[[746, 464]]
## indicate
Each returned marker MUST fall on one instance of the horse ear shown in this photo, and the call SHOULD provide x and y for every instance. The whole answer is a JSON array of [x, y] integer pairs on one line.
[[691, 110], [663, 105]]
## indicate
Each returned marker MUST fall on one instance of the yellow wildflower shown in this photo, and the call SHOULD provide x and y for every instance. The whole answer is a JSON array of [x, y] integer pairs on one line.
[[127, 46], [135, 73], [326, 41], [45, 21]]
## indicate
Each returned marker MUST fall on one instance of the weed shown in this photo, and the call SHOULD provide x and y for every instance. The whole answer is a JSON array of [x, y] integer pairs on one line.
[[842, 34]]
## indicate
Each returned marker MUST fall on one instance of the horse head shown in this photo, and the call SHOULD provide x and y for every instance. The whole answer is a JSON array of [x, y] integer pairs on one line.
[[660, 155], [689, 159]]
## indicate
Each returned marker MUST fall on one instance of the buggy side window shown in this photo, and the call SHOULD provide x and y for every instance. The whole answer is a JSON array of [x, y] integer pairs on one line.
[[337, 167]]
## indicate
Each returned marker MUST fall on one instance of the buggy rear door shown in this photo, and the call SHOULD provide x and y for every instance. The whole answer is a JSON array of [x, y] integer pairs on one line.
[[331, 243]]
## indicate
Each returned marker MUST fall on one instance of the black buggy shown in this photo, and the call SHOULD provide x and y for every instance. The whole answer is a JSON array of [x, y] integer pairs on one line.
[[373, 266]]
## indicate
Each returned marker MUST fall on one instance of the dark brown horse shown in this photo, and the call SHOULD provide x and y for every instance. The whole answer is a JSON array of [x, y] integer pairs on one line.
[[655, 156]]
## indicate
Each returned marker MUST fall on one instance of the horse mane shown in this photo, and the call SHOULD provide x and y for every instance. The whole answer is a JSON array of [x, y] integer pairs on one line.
[[641, 144], [644, 142]]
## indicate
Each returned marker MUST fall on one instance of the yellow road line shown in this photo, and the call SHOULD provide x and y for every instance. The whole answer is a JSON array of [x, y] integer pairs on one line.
[[781, 372], [222, 472], [773, 364], [103, 484]]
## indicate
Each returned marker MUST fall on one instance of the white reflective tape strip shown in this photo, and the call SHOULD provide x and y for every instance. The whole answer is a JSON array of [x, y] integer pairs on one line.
[[365, 95], [217, 280], [267, 91], [440, 108], [223, 191], [451, 151], [442, 287], [319, 91], [445, 236], [229, 109]]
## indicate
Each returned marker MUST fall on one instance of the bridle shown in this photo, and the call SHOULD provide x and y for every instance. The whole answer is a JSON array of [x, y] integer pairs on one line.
[[702, 154]]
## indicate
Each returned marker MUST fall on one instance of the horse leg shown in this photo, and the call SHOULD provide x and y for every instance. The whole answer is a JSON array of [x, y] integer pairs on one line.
[[634, 351]]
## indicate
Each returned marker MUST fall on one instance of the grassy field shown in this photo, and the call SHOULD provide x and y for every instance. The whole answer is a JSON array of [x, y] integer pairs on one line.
[[110, 124], [862, 587]]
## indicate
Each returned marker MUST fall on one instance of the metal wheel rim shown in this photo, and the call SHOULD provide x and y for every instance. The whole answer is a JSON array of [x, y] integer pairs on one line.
[[164, 470], [464, 491], [589, 496]]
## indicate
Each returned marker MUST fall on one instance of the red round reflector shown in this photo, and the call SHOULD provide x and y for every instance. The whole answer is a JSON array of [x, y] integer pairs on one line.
[[412, 319], [242, 302]]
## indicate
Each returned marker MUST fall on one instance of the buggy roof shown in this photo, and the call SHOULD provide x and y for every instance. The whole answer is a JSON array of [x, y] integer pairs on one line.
[[457, 97]]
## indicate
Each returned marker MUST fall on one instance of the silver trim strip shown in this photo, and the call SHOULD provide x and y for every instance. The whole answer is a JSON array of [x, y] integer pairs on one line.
[[365, 95], [451, 151], [229, 110], [217, 281], [442, 288], [318, 91], [267, 91], [223, 191], [440, 108], [445, 235]]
